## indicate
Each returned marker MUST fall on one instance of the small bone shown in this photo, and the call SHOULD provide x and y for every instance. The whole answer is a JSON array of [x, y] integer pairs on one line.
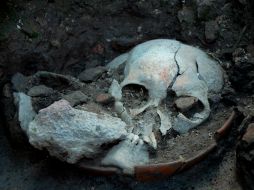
[[165, 122], [127, 154], [122, 112], [150, 140], [126, 117], [119, 108], [144, 127], [115, 90], [133, 138]]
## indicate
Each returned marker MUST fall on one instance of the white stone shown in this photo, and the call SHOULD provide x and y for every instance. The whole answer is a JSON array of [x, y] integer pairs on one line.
[[25, 109], [71, 134]]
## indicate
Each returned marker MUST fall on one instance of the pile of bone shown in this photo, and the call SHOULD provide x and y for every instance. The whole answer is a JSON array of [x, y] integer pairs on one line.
[[71, 132]]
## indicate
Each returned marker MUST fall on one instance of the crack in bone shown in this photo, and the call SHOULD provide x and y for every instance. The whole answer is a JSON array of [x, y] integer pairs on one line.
[[159, 65], [200, 77], [185, 67], [178, 68]]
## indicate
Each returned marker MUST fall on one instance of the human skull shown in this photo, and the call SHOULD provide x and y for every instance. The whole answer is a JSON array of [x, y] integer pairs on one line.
[[162, 65]]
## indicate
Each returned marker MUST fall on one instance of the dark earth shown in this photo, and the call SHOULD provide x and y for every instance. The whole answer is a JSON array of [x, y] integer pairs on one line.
[[72, 36]]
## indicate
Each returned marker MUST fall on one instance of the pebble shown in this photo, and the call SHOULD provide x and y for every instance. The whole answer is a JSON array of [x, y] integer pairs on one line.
[[40, 90], [7, 91], [250, 49], [98, 49], [184, 104], [205, 9], [211, 31], [76, 98], [19, 82], [104, 98], [55, 43], [249, 135], [186, 15], [123, 44], [92, 74]]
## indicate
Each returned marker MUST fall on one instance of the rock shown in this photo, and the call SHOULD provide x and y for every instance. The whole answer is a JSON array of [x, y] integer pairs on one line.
[[206, 9], [13, 114], [92, 62], [248, 137], [184, 104], [76, 98], [104, 98], [40, 90], [250, 50], [211, 31], [245, 157], [186, 15], [92, 74], [29, 28], [19, 82], [126, 155], [124, 44], [55, 43], [98, 49], [25, 110], [7, 91], [71, 134], [241, 76]]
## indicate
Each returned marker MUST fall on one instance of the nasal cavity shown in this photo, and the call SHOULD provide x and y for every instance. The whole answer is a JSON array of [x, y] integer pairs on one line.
[[134, 95]]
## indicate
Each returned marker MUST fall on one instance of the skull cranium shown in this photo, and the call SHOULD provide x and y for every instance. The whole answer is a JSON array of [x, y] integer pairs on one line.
[[162, 65]]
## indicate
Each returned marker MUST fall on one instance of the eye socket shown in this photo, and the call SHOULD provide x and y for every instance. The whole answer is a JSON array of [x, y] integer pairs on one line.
[[188, 105], [134, 95]]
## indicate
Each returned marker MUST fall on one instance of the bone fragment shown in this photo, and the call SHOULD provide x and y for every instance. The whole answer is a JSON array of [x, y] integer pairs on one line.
[[115, 90], [151, 140], [165, 122], [127, 154]]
